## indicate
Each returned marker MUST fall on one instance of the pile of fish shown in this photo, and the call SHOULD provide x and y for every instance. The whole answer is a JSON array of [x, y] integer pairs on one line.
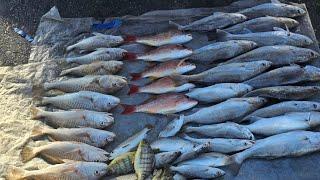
[[249, 104]]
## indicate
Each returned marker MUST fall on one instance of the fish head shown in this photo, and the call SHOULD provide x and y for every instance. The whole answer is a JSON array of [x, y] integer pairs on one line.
[[248, 143], [247, 45], [237, 17], [312, 72], [185, 67], [294, 11], [103, 120], [310, 54], [112, 82], [256, 101], [107, 136], [262, 65], [313, 119], [93, 170], [115, 65], [290, 23]]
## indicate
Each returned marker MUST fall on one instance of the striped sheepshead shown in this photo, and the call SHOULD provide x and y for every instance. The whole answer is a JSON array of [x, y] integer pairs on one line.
[[144, 160], [122, 164]]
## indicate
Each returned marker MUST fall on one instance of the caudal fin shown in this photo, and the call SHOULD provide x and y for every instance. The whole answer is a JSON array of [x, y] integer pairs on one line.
[[135, 76], [38, 90], [27, 154], [15, 173], [128, 109], [70, 48], [234, 164], [222, 35], [129, 56], [38, 131], [36, 113], [65, 72], [129, 39], [133, 89], [179, 78], [178, 26]]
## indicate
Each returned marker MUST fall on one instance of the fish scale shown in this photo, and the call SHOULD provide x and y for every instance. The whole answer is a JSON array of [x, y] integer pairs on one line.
[[144, 160], [122, 164]]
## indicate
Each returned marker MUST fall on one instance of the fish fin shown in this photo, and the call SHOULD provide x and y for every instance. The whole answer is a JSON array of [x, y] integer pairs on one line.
[[133, 89], [179, 77], [38, 131], [129, 38], [70, 48], [98, 34], [246, 30], [129, 56], [35, 113], [222, 35], [254, 118], [52, 159], [15, 173], [128, 109], [233, 164], [178, 26], [135, 76], [38, 90], [275, 1], [218, 13], [278, 29], [27, 154], [64, 72]]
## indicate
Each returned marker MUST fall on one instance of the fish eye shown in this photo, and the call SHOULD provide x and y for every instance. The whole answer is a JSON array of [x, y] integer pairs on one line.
[[315, 106], [102, 123], [263, 64], [114, 84], [96, 172], [312, 54]]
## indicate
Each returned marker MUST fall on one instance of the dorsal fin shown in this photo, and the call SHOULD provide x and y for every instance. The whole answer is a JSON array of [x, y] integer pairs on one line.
[[275, 1]]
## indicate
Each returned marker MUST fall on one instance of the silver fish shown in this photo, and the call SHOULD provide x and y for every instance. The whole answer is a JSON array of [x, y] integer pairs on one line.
[[82, 100], [278, 55], [97, 41], [285, 123], [283, 108], [262, 24], [91, 136], [223, 130], [295, 143], [101, 84], [101, 54], [130, 144], [178, 176], [229, 73], [62, 151], [211, 159], [275, 8], [230, 110], [219, 92], [222, 50], [73, 118], [94, 68], [172, 144], [270, 38], [196, 171], [172, 128], [165, 158], [216, 21], [222, 145], [126, 177], [201, 148], [286, 92], [65, 171], [284, 76]]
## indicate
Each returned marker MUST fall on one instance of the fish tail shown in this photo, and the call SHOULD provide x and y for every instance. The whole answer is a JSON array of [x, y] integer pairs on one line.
[[128, 109], [136, 76], [38, 89], [180, 78], [234, 163], [65, 72], [36, 113], [70, 48], [129, 38], [180, 27], [129, 56], [222, 35], [15, 173], [27, 154], [38, 131], [187, 129], [133, 89]]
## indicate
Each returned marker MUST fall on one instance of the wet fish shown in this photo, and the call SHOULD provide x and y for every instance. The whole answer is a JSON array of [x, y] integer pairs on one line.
[[64, 151], [126, 177], [131, 143], [222, 50], [219, 92], [286, 92], [102, 84], [82, 100], [165, 158], [262, 24], [270, 38], [196, 171], [172, 128], [278, 55], [211, 159], [224, 130], [229, 73], [283, 108], [173, 144], [91, 136], [122, 164], [216, 21], [230, 110], [284, 76], [162, 104], [144, 160], [178, 176], [97, 41], [94, 68], [222, 145], [165, 69], [161, 86], [275, 8], [167, 38], [101, 54], [165, 53], [199, 149], [285, 123], [295, 143], [162, 174], [65, 171], [73, 118]]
